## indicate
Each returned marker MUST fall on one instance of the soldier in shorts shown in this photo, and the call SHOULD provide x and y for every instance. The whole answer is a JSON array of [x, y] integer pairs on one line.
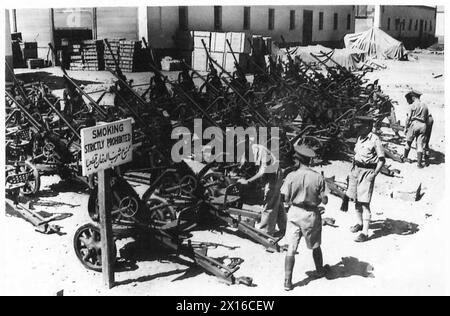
[[273, 213], [367, 164], [303, 191], [416, 125]]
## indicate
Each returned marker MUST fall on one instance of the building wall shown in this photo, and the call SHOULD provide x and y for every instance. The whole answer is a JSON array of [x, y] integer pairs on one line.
[[410, 37], [35, 25], [112, 22], [8, 47], [414, 13], [163, 22], [117, 22], [440, 24]]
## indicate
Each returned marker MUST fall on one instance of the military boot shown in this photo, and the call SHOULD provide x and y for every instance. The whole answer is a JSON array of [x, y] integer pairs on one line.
[[288, 269], [426, 158], [405, 155], [419, 160]]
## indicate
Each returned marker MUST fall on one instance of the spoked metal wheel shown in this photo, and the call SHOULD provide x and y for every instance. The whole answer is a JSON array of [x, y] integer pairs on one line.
[[168, 181], [160, 212], [215, 182], [128, 207], [123, 208], [87, 245], [188, 184], [33, 182]]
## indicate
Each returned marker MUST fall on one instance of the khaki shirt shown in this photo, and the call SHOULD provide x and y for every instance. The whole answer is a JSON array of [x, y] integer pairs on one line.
[[368, 150], [304, 188], [265, 159], [418, 111]]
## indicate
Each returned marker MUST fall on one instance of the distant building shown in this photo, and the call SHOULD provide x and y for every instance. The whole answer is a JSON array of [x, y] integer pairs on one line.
[[8, 47], [297, 24], [413, 25], [440, 24], [56, 25], [303, 25]]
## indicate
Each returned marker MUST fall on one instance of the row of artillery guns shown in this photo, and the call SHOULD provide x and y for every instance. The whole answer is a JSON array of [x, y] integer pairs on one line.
[[311, 107]]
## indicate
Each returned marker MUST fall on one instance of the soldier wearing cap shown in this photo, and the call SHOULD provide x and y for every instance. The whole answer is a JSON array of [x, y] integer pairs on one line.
[[417, 121], [303, 191], [367, 164]]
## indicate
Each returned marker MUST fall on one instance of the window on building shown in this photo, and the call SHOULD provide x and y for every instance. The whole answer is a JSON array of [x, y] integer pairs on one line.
[[404, 24], [431, 26], [217, 17], [335, 21], [397, 24], [417, 25], [271, 19], [389, 24], [425, 27], [292, 20], [349, 21], [410, 25], [320, 21], [183, 18], [246, 18], [361, 11]]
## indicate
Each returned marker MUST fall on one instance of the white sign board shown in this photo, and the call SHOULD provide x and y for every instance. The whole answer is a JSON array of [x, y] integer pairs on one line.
[[106, 146]]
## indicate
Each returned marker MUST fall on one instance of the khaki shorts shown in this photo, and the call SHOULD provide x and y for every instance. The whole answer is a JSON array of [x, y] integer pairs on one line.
[[303, 223], [360, 186], [418, 131]]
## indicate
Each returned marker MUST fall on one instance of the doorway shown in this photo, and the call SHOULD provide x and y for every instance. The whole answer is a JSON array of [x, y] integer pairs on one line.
[[307, 27]]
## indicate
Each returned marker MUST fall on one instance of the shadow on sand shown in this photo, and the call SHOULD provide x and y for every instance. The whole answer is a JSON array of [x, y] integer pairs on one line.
[[145, 249], [436, 157], [389, 226], [347, 267]]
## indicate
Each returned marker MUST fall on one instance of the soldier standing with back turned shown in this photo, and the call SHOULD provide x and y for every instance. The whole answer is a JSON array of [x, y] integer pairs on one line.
[[304, 190], [416, 125]]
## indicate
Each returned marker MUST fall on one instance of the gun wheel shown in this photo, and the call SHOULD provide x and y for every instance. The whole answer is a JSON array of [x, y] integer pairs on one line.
[[33, 182], [160, 211], [188, 185], [128, 206], [87, 246]]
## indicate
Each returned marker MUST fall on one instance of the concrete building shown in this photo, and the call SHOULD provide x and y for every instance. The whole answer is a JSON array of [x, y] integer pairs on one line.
[[413, 25], [52, 25], [298, 24], [8, 47], [440, 24]]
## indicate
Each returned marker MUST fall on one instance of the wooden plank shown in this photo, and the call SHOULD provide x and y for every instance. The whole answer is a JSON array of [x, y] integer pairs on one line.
[[104, 200]]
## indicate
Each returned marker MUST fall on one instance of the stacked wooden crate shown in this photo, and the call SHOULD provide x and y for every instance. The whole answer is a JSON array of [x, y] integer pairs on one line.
[[129, 52], [216, 44], [93, 51], [109, 59], [76, 57]]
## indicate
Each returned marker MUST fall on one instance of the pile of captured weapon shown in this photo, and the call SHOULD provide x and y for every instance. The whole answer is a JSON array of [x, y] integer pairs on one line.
[[310, 107]]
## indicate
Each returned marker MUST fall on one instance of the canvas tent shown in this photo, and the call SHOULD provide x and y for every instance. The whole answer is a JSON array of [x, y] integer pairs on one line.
[[376, 44], [303, 52], [349, 58]]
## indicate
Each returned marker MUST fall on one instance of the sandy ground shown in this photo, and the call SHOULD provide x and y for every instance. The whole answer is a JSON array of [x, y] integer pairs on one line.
[[404, 256]]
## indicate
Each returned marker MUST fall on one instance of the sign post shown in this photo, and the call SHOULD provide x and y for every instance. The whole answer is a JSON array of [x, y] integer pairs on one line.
[[104, 147], [106, 235]]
